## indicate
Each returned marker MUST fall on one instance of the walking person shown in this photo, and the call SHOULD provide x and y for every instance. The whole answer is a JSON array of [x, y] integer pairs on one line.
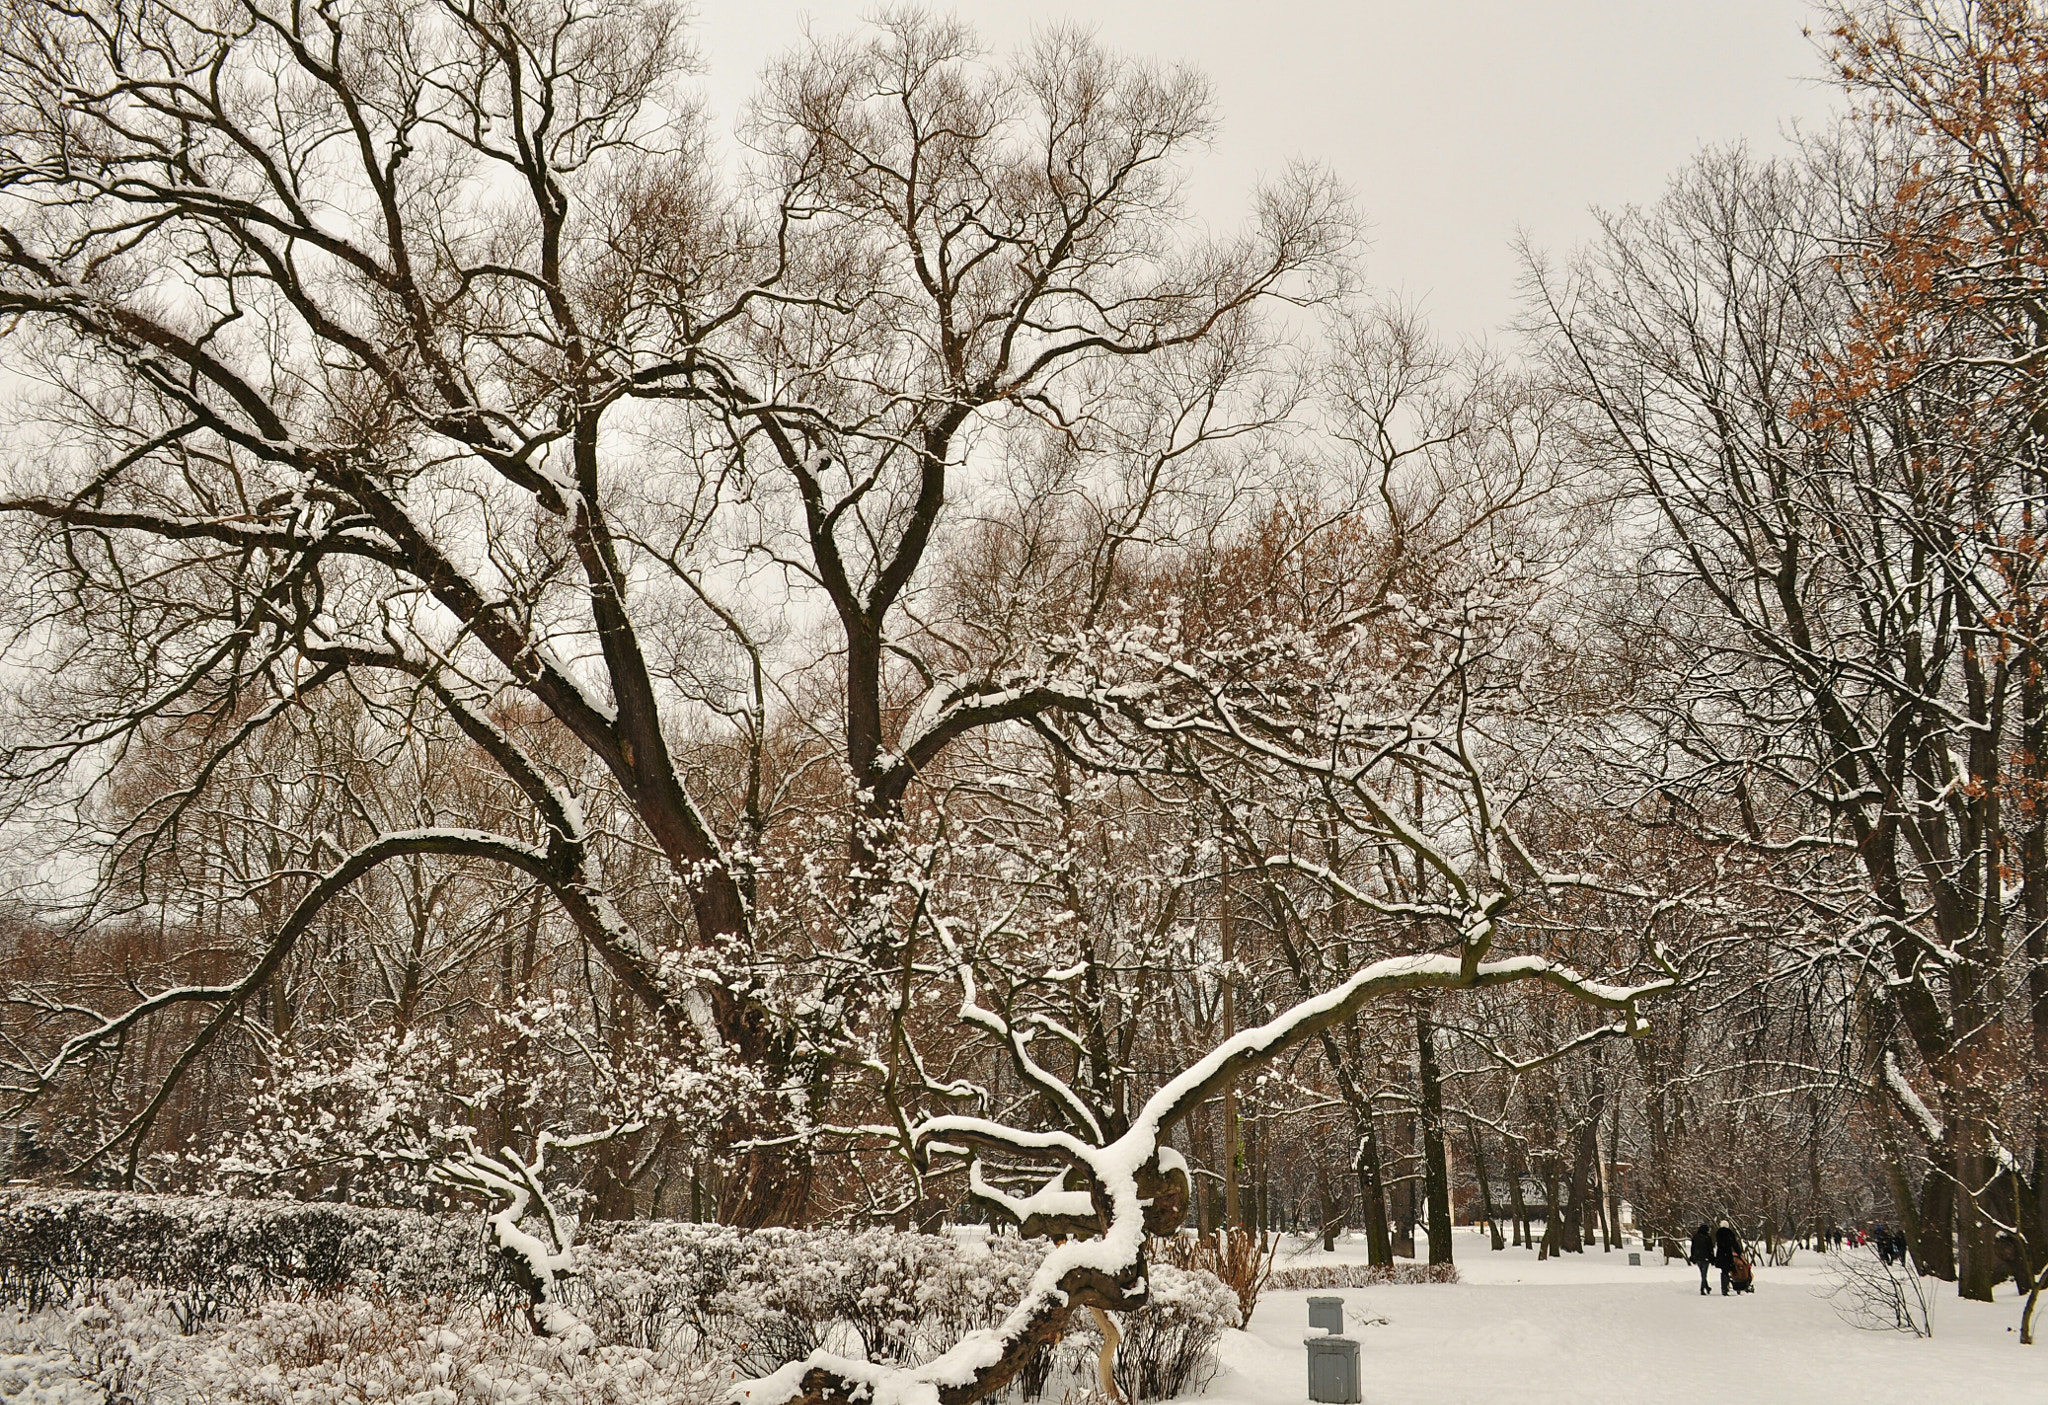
[[1703, 1255], [1727, 1244]]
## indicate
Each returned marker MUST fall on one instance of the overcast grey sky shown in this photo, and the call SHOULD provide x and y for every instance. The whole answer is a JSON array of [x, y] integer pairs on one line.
[[1453, 123]]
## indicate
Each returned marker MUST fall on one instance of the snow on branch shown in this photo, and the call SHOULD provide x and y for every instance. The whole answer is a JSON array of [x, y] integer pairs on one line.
[[513, 1185], [973, 1012], [1052, 1209], [1901, 1089], [1138, 1184], [229, 998]]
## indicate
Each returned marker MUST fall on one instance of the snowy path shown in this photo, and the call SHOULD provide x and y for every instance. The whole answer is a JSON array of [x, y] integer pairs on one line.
[[1590, 1328]]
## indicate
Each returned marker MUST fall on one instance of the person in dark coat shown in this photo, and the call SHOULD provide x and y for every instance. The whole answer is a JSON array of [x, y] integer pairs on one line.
[[1727, 1244], [1703, 1255]]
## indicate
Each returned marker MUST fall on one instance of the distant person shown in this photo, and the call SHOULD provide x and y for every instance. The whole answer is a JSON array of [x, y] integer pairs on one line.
[[1727, 1244], [1703, 1255]]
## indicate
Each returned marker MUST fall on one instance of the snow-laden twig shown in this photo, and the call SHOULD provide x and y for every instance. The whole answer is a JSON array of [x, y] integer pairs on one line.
[[514, 1186]]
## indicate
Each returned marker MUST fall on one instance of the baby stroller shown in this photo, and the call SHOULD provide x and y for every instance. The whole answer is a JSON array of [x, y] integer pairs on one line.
[[1742, 1277]]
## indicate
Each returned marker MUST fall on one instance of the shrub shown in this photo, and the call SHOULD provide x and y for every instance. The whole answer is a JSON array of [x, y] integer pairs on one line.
[[124, 1347], [1316, 1277], [1169, 1345], [768, 1296], [1232, 1255], [1870, 1291], [300, 1285], [213, 1254]]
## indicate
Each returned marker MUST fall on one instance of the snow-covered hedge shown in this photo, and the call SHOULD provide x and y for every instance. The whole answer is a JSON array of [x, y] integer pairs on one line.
[[128, 1345], [677, 1303], [1316, 1277], [758, 1299], [763, 1297], [212, 1254]]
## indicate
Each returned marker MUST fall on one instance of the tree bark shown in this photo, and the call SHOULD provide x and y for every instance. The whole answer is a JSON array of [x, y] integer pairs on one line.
[[1485, 1190], [769, 1188], [1518, 1204], [1435, 1157], [1403, 1197], [1379, 1245], [1553, 1217], [1615, 1239]]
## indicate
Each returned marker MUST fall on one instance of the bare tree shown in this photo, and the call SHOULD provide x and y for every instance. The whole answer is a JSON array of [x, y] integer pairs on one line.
[[419, 350], [1835, 587]]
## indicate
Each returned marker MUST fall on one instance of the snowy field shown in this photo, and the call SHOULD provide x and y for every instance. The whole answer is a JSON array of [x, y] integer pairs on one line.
[[1590, 1328]]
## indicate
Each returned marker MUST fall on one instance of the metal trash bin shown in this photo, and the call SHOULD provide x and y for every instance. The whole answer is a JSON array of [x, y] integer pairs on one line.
[[1333, 1370], [1326, 1313], [1635, 1260]]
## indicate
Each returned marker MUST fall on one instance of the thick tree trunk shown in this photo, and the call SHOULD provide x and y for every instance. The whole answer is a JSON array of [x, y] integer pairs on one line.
[[1977, 1266], [1932, 1232], [1332, 1209], [1373, 1193], [1403, 1197], [1553, 1215], [1435, 1156], [1616, 1240], [1575, 1205], [768, 1188], [2033, 1209], [2027, 1195], [1233, 1145]]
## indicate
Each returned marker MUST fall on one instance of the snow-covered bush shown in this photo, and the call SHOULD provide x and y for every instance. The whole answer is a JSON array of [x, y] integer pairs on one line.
[[1169, 1345], [763, 1297], [747, 1301], [434, 1352], [123, 1346], [1234, 1256], [1315, 1278], [40, 1377], [309, 1298], [212, 1254], [117, 1336], [637, 1283]]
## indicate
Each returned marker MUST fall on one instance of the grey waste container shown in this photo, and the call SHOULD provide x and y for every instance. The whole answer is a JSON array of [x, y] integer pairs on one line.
[[1333, 1370], [1635, 1260], [1326, 1313]]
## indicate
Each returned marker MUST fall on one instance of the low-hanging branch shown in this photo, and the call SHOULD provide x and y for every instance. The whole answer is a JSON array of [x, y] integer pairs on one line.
[[1138, 1185]]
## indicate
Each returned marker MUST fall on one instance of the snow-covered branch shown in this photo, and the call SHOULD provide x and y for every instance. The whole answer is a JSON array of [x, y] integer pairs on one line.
[[1137, 1185]]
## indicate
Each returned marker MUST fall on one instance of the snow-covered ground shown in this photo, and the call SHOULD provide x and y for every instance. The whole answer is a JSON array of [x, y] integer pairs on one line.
[[1590, 1328], [1581, 1328]]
